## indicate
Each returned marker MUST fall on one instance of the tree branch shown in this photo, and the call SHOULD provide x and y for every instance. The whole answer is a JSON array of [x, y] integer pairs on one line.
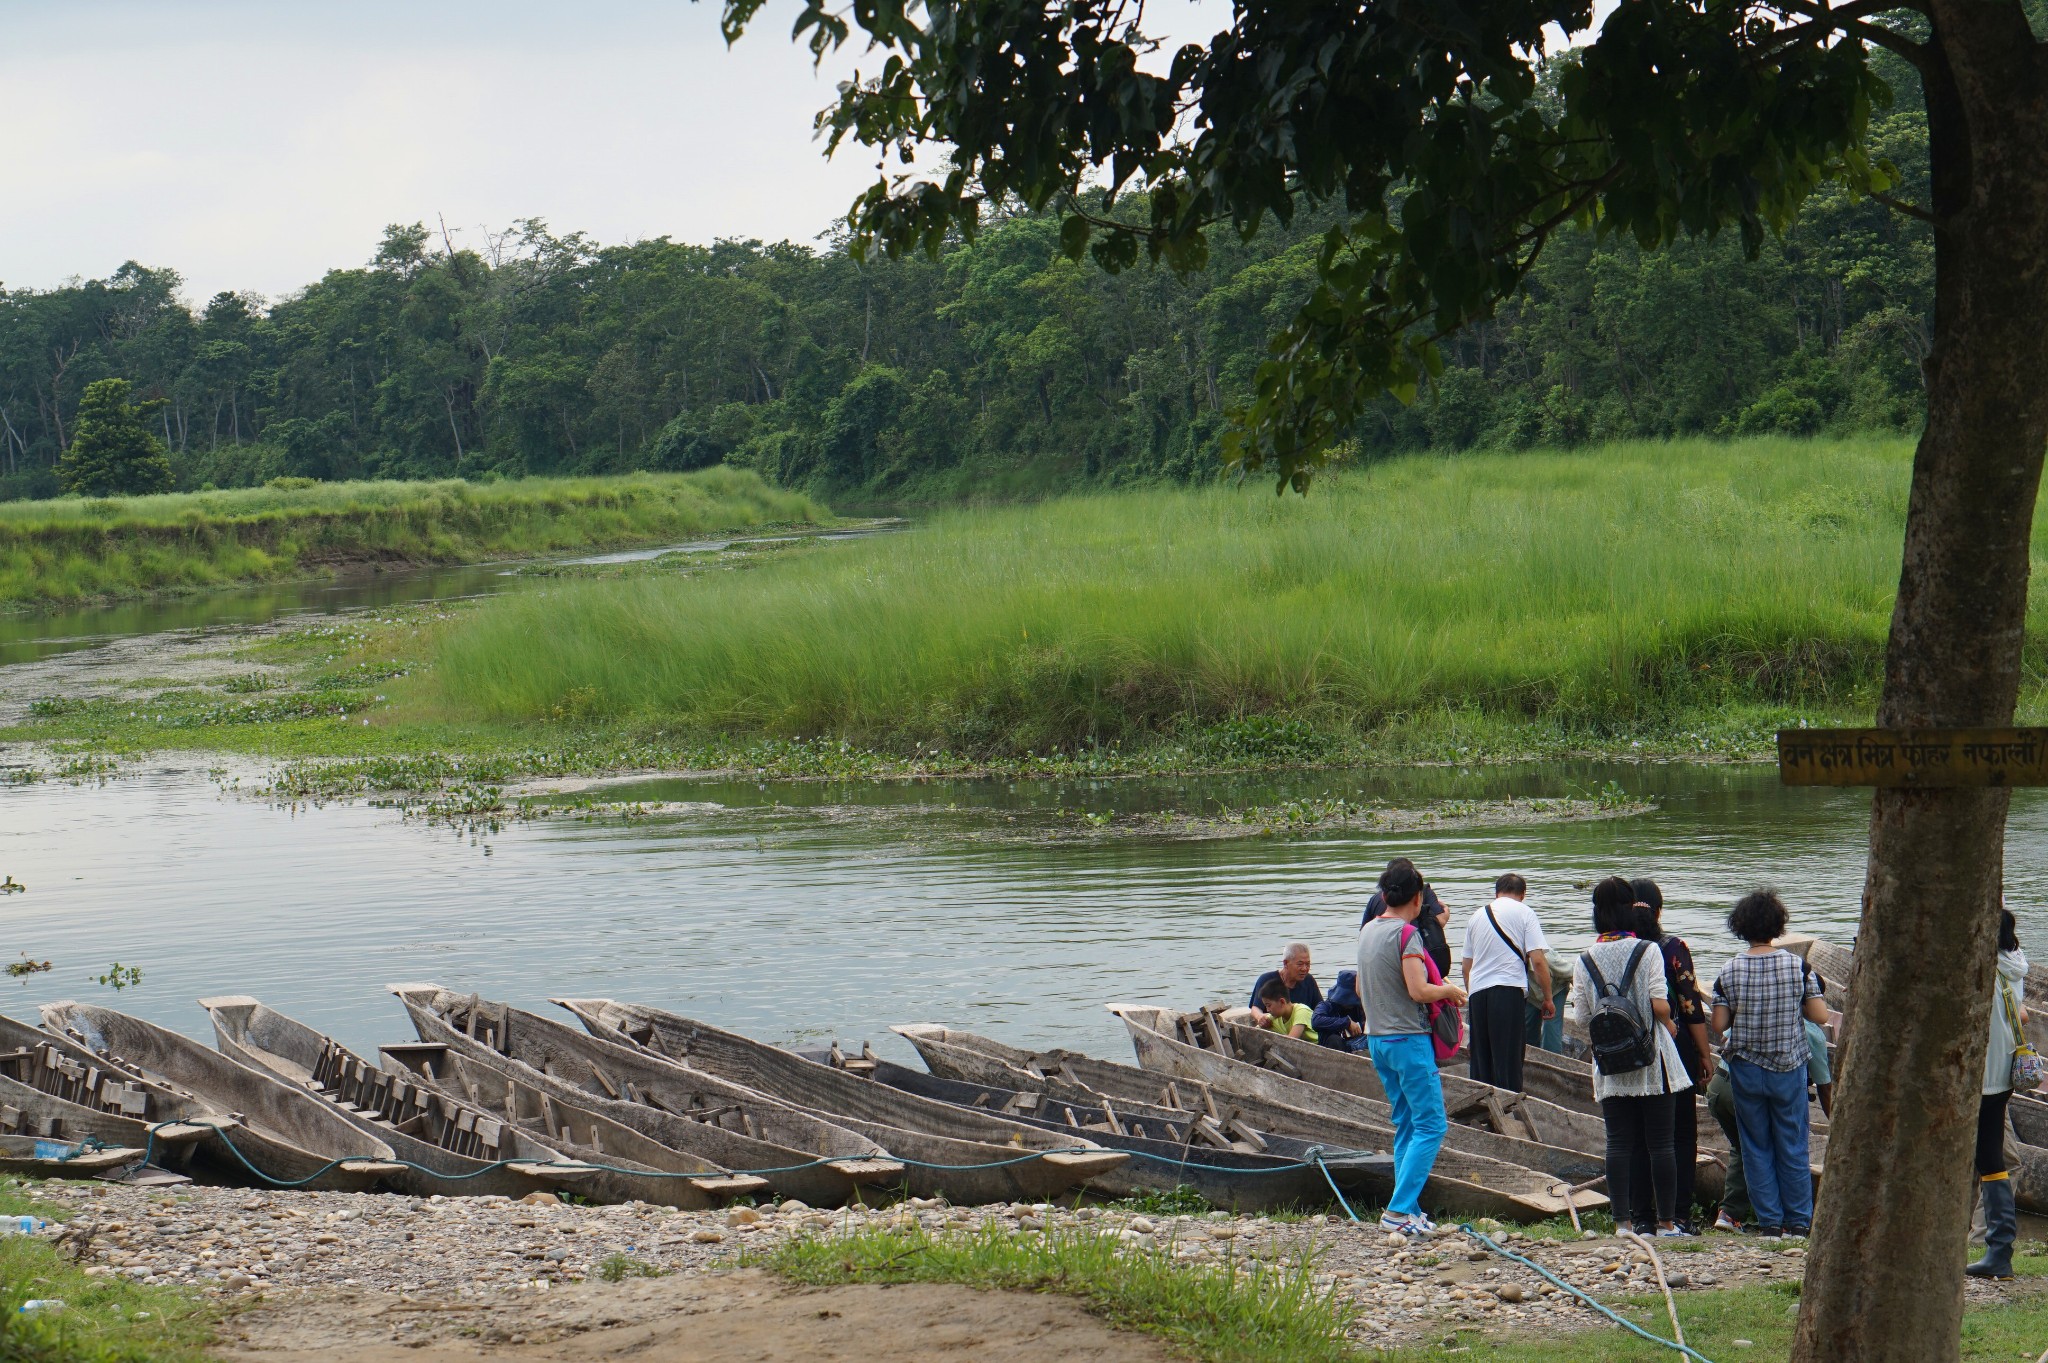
[[1900, 206], [1848, 19]]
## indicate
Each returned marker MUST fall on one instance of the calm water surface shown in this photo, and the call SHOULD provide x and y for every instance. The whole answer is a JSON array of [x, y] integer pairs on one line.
[[791, 923]]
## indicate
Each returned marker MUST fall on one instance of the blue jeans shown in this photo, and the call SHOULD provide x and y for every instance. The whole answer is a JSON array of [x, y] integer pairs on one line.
[[1770, 1117], [1407, 1066]]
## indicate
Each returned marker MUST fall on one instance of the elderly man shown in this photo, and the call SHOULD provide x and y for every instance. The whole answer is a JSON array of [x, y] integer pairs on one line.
[[1293, 972]]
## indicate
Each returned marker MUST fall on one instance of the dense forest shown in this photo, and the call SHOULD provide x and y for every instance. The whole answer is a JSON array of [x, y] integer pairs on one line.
[[1001, 367]]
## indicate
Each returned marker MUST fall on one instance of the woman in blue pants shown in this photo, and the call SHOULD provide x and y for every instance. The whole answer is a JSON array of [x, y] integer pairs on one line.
[[1394, 984], [1762, 1000]]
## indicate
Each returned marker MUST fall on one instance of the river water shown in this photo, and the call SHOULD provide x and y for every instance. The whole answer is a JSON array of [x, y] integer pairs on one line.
[[797, 911]]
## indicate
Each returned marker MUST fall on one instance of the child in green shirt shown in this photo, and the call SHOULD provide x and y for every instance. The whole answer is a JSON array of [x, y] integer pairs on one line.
[[1284, 1014]]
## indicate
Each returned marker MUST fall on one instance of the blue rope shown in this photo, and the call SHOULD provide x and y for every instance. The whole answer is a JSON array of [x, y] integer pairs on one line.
[[1316, 1153], [150, 1149]]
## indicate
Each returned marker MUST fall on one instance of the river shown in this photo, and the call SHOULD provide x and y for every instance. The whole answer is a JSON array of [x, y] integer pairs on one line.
[[767, 908]]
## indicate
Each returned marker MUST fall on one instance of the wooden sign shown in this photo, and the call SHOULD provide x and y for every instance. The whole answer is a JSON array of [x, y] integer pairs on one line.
[[1928, 758]]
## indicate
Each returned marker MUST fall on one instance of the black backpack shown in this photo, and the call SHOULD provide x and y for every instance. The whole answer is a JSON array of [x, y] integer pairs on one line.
[[1622, 1040]]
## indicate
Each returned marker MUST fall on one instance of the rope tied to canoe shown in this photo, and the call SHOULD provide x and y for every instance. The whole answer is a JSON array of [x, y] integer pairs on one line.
[[91, 1145], [1313, 1158], [492, 1166]]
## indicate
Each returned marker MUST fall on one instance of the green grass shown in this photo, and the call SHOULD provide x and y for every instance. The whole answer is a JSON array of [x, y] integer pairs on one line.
[[104, 1320], [1713, 1321], [75, 549], [1234, 1313], [1249, 1312], [1624, 588]]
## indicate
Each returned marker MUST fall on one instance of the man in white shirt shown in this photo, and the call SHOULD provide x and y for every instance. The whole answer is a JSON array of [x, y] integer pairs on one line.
[[1504, 953]]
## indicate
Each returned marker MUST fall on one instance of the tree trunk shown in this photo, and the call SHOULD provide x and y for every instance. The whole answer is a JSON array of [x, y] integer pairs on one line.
[[1884, 1276]]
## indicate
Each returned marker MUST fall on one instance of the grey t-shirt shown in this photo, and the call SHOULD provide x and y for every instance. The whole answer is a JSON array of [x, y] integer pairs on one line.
[[1388, 1009]]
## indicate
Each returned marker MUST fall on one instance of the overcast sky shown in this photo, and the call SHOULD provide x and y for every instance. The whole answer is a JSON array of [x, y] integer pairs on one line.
[[255, 144]]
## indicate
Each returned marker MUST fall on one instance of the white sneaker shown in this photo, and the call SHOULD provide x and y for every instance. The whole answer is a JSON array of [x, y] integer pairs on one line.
[[1402, 1225], [1423, 1225]]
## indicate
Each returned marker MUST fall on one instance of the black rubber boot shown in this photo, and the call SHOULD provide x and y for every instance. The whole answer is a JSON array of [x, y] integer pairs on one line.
[[2001, 1228]]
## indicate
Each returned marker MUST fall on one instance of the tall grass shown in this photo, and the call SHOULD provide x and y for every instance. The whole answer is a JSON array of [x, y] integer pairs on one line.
[[1599, 585], [76, 548]]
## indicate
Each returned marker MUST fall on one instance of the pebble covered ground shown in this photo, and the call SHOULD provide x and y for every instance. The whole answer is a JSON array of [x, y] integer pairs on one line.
[[235, 1243]]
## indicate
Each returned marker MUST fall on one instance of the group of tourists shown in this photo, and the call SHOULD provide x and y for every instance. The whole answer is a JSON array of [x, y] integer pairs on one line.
[[1754, 1044]]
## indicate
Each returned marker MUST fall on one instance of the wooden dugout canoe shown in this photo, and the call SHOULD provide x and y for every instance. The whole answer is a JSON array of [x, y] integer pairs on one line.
[[629, 1166], [462, 1151], [285, 1134], [52, 1087], [1161, 1051], [728, 1124], [1467, 1184], [1167, 1149], [42, 1158], [1466, 1100], [964, 1155]]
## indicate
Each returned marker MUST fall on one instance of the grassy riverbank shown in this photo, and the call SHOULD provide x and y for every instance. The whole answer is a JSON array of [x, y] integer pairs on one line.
[[1640, 601], [75, 549], [1603, 591], [103, 1320], [1245, 1311]]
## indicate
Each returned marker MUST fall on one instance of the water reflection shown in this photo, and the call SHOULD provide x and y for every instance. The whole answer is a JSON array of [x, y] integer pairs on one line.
[[26, 637]]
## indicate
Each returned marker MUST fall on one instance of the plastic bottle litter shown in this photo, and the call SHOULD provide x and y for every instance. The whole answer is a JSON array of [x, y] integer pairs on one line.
[[31, 1307], [22, 1225]]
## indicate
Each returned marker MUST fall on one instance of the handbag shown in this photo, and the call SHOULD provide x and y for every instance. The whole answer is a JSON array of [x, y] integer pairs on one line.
[[1530, 993], [2029, 1066], [1446, 1023]]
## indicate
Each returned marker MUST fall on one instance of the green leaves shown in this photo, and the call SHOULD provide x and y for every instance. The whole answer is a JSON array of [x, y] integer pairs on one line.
[[1456, 148]]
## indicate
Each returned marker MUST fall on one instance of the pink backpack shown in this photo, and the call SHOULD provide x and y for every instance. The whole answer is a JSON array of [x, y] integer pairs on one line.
[[1446, 1023]]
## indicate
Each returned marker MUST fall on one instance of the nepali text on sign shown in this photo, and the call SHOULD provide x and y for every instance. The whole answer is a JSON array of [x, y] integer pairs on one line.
[[1913, 757]]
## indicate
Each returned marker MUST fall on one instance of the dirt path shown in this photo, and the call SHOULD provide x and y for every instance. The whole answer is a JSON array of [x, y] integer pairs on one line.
[[737, 1317]]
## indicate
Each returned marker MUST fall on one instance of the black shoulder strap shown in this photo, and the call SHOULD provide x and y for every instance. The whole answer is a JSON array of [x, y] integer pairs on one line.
[[1601, 989], [1498, 932], [1628, 977]]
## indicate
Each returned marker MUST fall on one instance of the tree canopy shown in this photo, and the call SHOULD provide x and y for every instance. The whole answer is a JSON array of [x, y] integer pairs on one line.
[[1452, 148], [112, 453], [1001, 360]]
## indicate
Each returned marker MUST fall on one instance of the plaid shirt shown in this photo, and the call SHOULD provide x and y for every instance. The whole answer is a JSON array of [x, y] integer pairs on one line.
[[1766, 995]]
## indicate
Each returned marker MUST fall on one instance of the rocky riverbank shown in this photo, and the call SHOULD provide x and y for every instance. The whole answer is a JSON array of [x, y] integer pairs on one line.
[[399, 1252]]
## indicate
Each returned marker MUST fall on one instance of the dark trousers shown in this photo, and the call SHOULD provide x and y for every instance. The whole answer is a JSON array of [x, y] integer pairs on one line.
[[1991, 1133], [1685, 1156], [1649, 1120], [1497, 1035]]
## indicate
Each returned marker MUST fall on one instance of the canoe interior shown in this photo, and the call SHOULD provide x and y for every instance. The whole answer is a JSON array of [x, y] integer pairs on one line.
[[457, 1137], [510, 1098], [1470, 1184], [610, 1071], [1541, 1191], [67, 1071], [1168, 1149], [784, 1075], [291, 1115]]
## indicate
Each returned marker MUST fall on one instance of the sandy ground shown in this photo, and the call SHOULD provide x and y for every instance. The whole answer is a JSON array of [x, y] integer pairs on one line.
[[723, 1318]]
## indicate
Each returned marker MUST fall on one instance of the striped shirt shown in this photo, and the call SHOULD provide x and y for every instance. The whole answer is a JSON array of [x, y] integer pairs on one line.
[[1766, 996]]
